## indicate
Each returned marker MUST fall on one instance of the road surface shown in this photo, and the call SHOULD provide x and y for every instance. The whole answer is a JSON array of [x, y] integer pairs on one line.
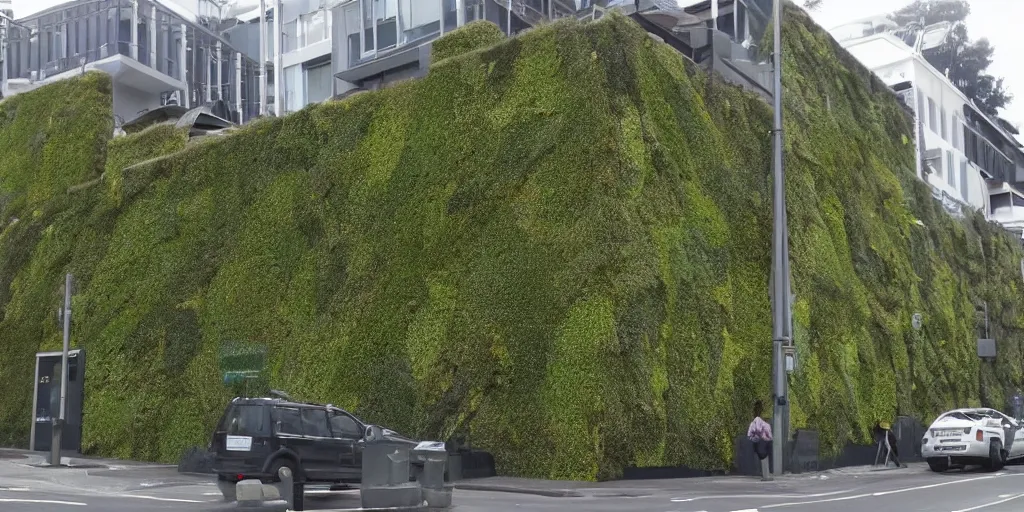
[[24, 487]]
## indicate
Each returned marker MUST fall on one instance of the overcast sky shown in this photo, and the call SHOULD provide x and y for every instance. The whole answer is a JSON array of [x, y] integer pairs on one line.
[[998, 20]]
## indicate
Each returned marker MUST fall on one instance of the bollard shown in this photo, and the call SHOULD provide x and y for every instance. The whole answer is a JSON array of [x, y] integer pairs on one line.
[[287, 486]]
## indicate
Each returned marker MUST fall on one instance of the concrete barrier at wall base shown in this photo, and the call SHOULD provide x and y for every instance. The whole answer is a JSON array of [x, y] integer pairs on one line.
[[909, 432], [745, 461], [391, 496], [803, 456]]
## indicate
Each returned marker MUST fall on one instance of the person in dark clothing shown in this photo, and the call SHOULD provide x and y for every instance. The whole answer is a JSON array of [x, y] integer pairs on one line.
[[883, 432], [760, 434]]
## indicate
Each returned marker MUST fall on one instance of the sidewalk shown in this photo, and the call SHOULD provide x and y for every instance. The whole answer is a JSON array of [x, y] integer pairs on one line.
[[640, 488]]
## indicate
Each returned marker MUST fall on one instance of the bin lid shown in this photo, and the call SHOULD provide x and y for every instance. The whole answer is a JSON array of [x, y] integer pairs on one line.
[[430, 446]]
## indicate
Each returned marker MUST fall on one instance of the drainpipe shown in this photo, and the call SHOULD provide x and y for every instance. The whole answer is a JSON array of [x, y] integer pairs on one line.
[[263, 58], [3, 65], [238, 87], [278, 62], [220, 71], [460, 13], [152, 39], [182, 57], [134, 49]]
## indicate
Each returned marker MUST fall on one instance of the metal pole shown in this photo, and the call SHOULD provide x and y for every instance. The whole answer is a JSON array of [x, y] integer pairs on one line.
[[263, 57], [58, 426], [780, 262], [509, 31], [986, 322]]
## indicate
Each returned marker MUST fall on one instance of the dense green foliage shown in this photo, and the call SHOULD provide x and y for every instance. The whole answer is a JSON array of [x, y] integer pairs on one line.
[[470, 37], [558, 245]]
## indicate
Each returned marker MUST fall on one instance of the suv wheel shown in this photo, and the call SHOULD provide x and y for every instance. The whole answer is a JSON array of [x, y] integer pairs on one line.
[[275, 469], [938, 464]]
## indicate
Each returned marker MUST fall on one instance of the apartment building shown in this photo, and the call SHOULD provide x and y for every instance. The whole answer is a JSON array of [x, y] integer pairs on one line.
[[968, 159], [158, 53]]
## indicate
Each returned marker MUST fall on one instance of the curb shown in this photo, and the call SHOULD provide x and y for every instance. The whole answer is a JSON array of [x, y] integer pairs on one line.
[[549, 493]]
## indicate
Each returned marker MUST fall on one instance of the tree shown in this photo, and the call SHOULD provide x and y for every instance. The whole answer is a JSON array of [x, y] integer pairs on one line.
[[964, 61]]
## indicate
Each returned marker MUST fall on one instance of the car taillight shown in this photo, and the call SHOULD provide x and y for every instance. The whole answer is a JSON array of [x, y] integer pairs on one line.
[[980, 436]]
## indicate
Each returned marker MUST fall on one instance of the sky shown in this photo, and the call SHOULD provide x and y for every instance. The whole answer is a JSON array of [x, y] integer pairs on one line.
[[997, 20]]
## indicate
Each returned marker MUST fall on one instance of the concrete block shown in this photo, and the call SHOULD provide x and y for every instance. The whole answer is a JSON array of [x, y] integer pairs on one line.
[[249, 491], [438, 498], [271, 492], [391, 496]]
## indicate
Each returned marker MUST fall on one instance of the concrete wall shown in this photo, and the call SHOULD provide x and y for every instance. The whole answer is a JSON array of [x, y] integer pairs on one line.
[[129, 102]]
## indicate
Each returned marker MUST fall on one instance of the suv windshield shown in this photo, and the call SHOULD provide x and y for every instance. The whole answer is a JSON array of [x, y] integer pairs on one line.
[[245, 420]]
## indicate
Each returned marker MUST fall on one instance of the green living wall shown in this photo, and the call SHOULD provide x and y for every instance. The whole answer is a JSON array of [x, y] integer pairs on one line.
[[557, 245]]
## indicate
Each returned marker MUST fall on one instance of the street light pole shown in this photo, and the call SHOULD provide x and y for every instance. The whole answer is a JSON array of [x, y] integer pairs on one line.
[[58, 426], [781, 335]]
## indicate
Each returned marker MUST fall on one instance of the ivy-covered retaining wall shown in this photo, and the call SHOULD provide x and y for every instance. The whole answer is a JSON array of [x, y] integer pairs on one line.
[[558, 245]]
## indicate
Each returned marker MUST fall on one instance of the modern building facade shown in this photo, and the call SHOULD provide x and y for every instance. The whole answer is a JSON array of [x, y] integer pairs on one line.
[[966, 157], [158, 52]]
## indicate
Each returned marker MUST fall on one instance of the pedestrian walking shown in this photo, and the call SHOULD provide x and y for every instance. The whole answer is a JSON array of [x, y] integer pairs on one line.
[[760, 435]]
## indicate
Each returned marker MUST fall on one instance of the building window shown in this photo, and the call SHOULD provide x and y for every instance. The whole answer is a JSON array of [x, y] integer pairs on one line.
[[963, 179], [319, 82], [950, 174], [931, 116], [942, 123]]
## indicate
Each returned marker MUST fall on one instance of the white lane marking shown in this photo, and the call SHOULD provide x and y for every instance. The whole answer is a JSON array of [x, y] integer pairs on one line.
[[843, 498], [175, 500], [43, 502], [1005, 495], [759, 496], [885, 493], [1012, 497], [746, 510], [14, 489], [940, 484]]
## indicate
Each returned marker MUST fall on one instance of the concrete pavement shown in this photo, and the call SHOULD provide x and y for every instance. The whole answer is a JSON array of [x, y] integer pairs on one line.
[[114, 486]]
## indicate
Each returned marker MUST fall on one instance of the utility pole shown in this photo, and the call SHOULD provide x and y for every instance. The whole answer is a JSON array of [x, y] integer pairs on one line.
[[58, 426], [782, 335]]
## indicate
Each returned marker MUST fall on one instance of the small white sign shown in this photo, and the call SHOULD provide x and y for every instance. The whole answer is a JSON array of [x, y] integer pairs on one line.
[[238, 443]]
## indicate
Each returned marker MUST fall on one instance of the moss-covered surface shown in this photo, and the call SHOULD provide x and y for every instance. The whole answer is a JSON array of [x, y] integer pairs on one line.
[[472, 36], [558, 245]]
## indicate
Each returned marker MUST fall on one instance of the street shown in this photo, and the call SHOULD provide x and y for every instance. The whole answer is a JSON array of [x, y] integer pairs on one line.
[[24, 486]]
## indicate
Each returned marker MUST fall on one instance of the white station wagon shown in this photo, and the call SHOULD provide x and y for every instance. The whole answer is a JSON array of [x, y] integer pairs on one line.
[[963, 437]]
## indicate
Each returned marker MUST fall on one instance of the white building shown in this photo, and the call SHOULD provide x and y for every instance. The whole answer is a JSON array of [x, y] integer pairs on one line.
[[967, 158], [157, 52]]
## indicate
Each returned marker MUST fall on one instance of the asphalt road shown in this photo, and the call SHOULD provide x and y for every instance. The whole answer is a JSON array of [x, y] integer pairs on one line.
[[160, 488]]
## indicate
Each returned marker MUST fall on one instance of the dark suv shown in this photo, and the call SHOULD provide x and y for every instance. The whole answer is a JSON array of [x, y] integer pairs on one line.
[[319, 443]]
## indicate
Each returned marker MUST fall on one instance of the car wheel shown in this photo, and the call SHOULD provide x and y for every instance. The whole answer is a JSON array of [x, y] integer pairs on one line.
[[284, 463], [996, 460], [938, 465]]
